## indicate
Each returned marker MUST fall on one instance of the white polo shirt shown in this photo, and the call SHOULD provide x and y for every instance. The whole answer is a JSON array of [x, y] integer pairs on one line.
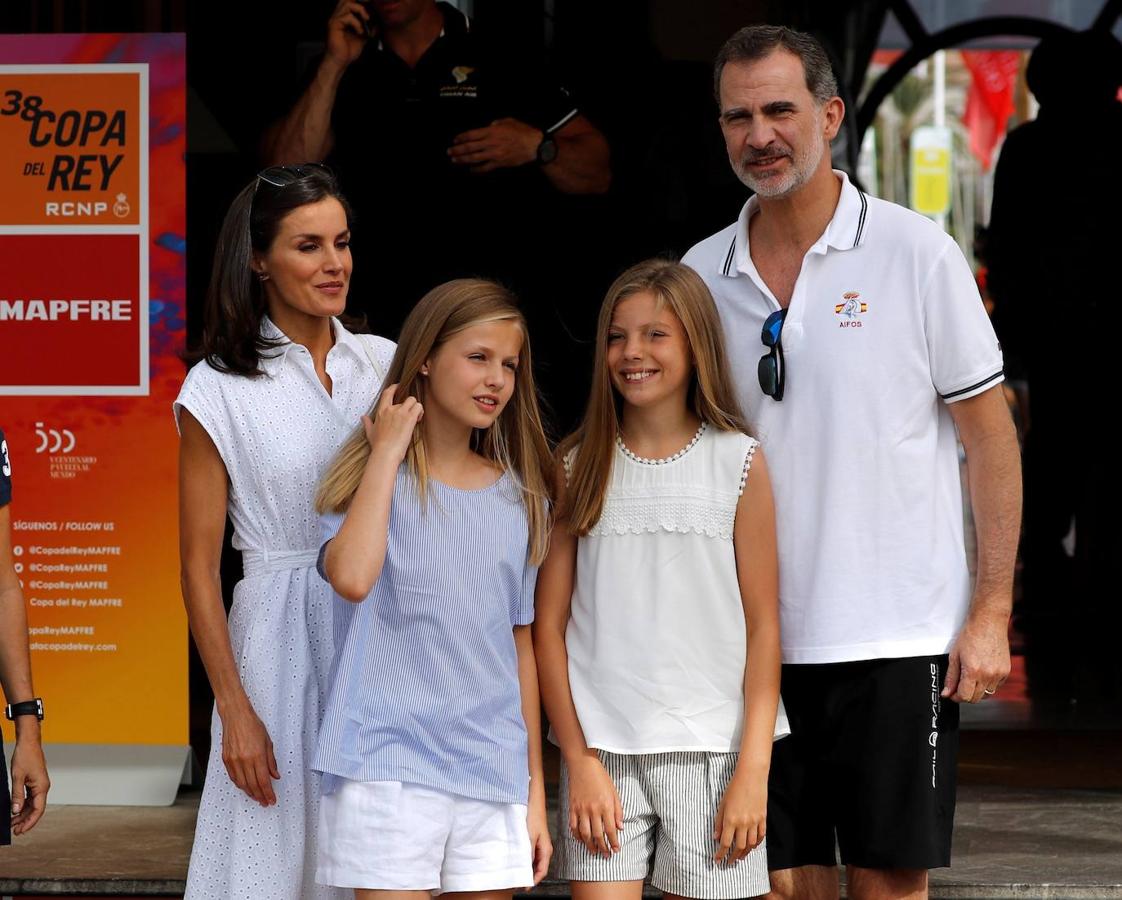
[[884, 329]]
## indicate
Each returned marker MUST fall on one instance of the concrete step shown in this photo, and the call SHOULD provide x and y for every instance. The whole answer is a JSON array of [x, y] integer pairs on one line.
[[1010, 844]]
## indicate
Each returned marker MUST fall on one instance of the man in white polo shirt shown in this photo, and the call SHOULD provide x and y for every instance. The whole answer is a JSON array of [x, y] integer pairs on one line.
[[858, 343]]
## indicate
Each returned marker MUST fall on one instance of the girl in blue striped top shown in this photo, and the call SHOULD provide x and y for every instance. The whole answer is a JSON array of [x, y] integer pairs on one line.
[[435, 518]]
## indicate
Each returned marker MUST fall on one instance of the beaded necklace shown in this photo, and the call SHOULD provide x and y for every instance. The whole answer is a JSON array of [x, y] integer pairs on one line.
[[666, 459]]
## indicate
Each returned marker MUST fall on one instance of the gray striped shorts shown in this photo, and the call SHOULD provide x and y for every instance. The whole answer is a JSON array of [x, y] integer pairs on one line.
[[669, 803]]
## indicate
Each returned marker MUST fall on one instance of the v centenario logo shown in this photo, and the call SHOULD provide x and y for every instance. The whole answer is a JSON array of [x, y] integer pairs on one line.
[[59, 445], [54, 440]]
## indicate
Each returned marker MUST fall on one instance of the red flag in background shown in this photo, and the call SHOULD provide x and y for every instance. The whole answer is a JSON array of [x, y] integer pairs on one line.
[[990, 101]]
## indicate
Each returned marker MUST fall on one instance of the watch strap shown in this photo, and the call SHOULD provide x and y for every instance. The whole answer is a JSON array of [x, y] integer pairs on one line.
[[25, 708], [547, 148]]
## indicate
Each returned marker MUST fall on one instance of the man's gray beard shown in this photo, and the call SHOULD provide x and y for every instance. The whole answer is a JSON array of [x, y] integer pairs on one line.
[[800, 173]]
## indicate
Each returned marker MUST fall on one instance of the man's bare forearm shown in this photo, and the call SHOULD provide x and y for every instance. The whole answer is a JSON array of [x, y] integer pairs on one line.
[[15, 661], [993, 465], [995, 499], [304, 135], [583, 164]]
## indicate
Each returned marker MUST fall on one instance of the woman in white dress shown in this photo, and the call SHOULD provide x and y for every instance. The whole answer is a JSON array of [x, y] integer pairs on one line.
[[281, 385]]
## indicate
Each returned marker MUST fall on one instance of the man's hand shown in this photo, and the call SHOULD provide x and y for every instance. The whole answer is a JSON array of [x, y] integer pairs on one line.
[[347, 32], [29, 785], [979, 657], [503, 144]]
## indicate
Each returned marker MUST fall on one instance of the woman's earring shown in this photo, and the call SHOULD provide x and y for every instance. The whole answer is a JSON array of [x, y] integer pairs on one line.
[[262, 276]]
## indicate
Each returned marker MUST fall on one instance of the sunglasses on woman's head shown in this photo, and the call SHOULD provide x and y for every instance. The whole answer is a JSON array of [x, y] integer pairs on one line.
[[283, 176]]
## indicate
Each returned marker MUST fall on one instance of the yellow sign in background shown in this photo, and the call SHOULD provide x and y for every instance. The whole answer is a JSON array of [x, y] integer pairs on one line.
[[931, 170]]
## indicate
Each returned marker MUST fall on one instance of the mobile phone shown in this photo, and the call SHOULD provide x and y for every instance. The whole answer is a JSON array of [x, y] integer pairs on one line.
[[370, 26]]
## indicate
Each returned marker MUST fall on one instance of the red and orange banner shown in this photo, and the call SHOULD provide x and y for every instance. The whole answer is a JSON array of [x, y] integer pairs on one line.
[[989, 104], [92, 272]]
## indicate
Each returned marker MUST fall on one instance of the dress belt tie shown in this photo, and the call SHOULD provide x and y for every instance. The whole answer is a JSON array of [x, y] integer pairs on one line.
[[264, 562]]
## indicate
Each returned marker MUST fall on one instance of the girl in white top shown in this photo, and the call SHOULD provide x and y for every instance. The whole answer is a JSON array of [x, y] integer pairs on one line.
[[280, 387], [656, 626]]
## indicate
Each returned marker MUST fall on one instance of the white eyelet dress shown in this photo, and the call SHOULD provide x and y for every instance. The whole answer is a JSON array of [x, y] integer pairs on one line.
[[656, 636], [276, 434]]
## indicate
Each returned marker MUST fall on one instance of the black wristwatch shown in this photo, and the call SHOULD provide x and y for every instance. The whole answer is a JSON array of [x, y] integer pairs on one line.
[[26, 708], [547, 149]]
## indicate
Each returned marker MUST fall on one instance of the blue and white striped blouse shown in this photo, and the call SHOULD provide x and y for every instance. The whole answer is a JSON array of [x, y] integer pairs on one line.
[[425, 679]]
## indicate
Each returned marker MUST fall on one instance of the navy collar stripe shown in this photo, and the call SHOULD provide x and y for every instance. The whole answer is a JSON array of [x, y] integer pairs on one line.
[[728, 257], [861, 220]]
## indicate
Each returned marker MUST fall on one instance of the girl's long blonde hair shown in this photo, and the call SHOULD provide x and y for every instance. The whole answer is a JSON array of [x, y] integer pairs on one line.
[[710, 396], [515, 442]]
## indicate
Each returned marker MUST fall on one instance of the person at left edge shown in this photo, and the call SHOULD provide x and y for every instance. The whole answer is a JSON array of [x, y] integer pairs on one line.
[[29, 770], [280, 384], [454, 148]]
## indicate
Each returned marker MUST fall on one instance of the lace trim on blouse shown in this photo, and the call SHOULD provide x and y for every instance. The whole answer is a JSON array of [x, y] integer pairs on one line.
[[677, 507], [752, 445], [676, 514]]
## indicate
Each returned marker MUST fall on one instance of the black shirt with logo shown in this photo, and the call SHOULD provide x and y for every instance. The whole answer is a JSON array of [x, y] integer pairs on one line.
[[420, 219], [5, 471]]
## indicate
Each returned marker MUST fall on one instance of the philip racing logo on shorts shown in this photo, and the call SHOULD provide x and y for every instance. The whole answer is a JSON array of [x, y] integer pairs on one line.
[[933, 738]]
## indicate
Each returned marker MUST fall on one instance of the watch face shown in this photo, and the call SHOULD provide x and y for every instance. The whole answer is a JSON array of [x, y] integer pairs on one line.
[[547, 150]]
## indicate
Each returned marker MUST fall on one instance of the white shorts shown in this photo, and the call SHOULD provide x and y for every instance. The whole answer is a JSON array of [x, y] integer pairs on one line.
[[385, 835]]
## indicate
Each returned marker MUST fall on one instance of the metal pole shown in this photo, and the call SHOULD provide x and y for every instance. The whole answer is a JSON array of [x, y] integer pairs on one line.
[[940, 103]]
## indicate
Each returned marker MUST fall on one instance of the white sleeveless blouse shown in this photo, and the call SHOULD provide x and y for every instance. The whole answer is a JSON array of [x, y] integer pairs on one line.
[[656, 636]]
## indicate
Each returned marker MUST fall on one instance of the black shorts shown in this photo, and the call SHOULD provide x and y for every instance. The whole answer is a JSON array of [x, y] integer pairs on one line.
[[871, 762], [5, 801]]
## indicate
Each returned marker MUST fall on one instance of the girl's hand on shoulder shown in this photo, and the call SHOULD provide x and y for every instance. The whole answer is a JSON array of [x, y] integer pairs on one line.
[[537, 822], [247, 753], [390, 432], [595, 813], [741, 818]]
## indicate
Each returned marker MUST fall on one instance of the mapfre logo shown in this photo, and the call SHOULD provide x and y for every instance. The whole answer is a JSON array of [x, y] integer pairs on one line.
[[850, 310], [54, 440]]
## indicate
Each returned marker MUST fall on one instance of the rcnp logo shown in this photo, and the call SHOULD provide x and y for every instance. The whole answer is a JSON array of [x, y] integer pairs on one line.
[[54, 440]]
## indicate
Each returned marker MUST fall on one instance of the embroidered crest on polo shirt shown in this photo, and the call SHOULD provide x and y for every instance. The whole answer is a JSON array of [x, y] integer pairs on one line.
[[850, 310], [465, 85]]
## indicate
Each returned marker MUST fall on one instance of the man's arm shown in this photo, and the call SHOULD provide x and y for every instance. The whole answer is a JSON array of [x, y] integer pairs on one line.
[[304, 135], [29, 770], [583, 158], [583, 164], [979, 658]]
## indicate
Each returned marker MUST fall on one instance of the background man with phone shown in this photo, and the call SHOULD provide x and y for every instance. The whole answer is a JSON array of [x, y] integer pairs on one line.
[[452, 150]]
